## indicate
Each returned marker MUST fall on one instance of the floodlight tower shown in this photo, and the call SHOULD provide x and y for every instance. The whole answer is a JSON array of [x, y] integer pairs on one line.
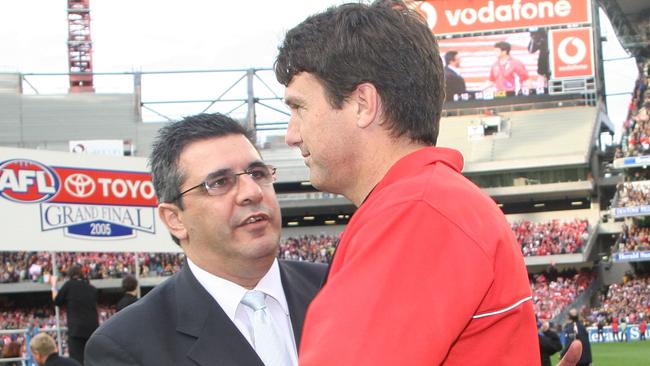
[[80, 47]]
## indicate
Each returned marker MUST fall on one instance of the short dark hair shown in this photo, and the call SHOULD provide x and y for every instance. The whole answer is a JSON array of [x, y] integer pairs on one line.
[[385, 44], [173, 138], [75, 272], [129, 283], [503, 46], [450, 56]]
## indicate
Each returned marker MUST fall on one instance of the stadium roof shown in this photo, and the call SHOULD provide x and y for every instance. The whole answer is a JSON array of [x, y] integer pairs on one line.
[[627, 18]]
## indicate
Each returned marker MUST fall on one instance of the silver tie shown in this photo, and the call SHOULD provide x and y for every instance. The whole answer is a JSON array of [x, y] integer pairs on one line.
[[268, 343]]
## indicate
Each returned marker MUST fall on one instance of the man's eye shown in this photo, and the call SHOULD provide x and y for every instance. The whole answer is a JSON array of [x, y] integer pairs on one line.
[[258, 173], [218, 182]]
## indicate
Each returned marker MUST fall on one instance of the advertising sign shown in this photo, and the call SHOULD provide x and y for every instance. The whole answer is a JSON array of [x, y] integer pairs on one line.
[[472, 16], [67, 202], [572, 53]]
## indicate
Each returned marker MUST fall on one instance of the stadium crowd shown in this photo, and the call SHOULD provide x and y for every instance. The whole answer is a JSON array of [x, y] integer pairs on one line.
[[634, 238], [37, 266], [553, 290], [627, 302], [551, 237], [636, 128], [633, 194], [311, 248], [545, 238]]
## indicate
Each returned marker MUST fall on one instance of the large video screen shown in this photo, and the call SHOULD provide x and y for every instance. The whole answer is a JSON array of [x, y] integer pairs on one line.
[[496, 66]]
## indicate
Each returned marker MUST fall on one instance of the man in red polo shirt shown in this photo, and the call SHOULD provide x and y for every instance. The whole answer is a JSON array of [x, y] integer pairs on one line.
[[428, 270]]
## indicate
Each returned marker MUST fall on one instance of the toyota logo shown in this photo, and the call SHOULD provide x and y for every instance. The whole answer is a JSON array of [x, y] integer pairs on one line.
[[79, 185]]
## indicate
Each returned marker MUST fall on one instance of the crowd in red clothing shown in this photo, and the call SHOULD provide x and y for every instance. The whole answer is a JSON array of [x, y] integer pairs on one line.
[[43, 317], [552, 237], [553, 291], [310, 248], [37, 266]]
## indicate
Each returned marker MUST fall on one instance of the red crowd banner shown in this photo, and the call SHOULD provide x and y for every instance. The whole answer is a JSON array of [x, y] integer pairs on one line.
[[472, 16]]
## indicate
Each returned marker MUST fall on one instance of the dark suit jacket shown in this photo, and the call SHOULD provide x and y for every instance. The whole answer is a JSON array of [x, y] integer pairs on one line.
[[179, 323], [80, 299], [55, 360], [454, 84], [125, 301]]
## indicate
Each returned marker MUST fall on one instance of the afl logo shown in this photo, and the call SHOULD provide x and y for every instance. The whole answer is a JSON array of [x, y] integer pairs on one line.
[[79, 185], [27, 181], [578, 53]]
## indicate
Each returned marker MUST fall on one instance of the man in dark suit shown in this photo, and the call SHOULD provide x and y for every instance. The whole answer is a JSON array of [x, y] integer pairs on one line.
[[80, 300], [217, 200], [574, 329], [44, 352], [130, 288], [454, 83]]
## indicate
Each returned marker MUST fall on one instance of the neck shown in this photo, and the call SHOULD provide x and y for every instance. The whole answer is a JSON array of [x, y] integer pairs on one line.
[[245, 273], [380, 156]]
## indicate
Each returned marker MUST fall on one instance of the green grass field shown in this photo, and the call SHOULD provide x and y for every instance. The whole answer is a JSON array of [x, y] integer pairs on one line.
[[618, 354]]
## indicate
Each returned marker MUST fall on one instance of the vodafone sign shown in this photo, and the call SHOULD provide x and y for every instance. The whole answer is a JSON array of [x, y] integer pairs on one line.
[[471, 16], [571, 53]]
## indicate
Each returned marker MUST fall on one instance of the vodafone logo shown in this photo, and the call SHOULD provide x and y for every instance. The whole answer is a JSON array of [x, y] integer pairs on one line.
[[571, 53], [471, 16], [429, 13], [79, 185], [572, 50], [27, 181]]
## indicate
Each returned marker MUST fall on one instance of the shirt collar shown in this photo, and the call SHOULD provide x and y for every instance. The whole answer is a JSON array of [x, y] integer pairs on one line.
[[414, 162], [454, 69], [229, 294]]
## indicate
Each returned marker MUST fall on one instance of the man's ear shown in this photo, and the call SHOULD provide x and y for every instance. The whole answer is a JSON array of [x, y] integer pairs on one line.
[[170, 215], [369, 105]]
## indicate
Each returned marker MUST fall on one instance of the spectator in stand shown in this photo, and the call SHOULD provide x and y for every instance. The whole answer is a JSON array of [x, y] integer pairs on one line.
[[45, 353], [80, 299], [130, 288]]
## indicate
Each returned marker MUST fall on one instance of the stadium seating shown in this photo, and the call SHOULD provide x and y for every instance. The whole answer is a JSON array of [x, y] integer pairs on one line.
[[552, 237]]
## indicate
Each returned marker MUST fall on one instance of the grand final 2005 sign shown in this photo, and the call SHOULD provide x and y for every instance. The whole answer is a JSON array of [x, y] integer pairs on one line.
[[83, 203]]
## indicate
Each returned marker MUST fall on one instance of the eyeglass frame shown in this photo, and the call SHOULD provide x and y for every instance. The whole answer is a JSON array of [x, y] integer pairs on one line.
[[248, 171]]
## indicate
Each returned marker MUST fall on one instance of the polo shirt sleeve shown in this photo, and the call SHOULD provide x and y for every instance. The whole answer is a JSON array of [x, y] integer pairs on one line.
[[400, 292]]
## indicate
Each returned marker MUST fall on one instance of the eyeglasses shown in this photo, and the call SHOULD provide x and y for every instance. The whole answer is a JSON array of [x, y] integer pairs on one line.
[[221, 182]]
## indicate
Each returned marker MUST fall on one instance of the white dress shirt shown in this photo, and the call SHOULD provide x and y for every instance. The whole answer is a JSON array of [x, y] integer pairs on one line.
[[229, 295]]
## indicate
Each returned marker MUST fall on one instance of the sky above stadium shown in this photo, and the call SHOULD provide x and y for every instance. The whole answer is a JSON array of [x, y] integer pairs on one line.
[[161, 35]]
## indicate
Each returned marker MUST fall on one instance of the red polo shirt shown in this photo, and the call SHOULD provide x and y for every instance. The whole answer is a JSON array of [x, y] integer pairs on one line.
[[427, 272]]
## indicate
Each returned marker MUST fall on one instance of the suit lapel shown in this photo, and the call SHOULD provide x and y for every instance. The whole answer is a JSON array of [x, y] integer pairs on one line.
[[218, 341], [294, 285]]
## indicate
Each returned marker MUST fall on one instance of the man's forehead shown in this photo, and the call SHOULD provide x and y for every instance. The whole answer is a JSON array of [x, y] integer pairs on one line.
[[230, 152]]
